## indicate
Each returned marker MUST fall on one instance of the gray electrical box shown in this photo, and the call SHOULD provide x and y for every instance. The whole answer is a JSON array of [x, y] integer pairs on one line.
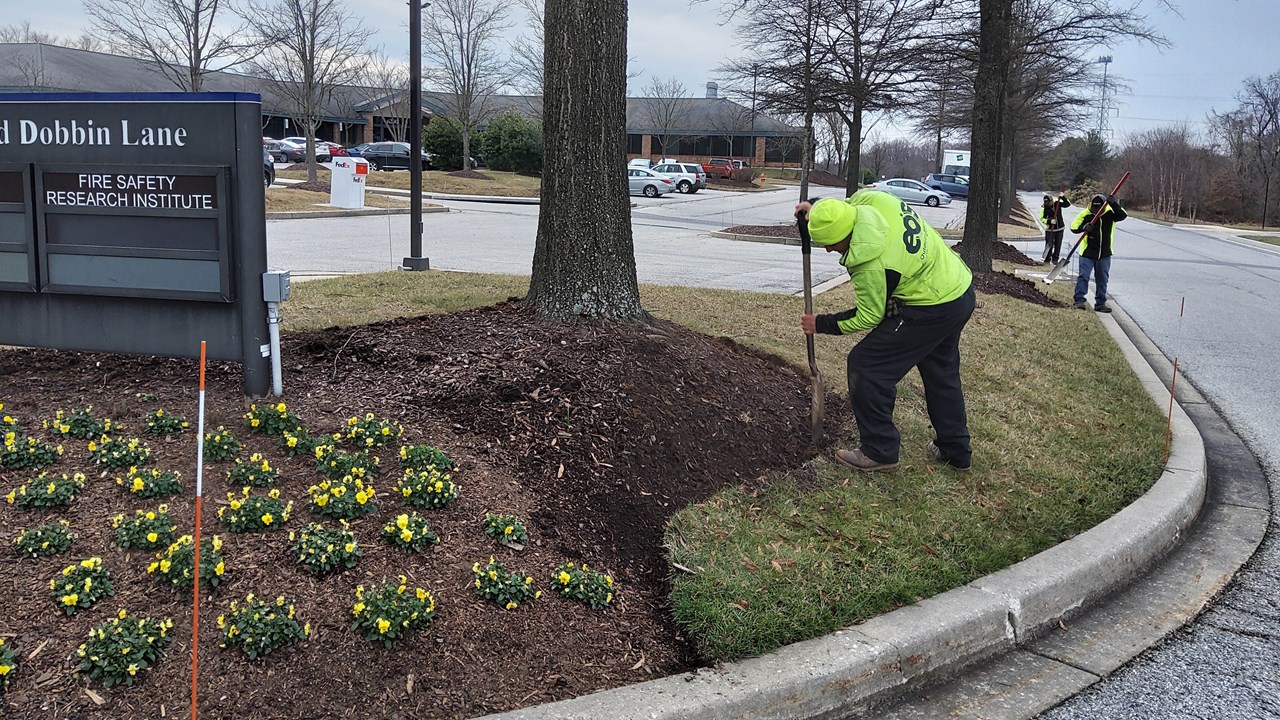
[[275, 286]]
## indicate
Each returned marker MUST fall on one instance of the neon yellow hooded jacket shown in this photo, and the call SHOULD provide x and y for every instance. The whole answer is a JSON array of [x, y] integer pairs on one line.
[[888, 235]]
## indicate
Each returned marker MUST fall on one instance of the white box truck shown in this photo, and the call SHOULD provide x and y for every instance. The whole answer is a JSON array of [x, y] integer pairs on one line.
[[955, 162]]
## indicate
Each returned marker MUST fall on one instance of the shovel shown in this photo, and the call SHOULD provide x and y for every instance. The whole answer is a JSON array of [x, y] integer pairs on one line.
[[817, 407], [1066, 259]]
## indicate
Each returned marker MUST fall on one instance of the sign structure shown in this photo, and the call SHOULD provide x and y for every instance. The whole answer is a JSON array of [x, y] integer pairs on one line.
[[134, 223]]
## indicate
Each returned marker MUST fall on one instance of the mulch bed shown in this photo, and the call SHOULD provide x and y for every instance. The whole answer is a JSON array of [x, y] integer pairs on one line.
[[788, 230], [470, 174], [1006, 252], [822, 177], [593, 435], [729, 183], [999, 283], [318, 186]]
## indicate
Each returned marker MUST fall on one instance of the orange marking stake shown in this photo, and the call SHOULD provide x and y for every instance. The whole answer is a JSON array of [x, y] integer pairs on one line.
[[195, 603]]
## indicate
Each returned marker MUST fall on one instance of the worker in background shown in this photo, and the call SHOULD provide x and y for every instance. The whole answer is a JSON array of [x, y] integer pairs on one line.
[[1095, 248], [914, 296], [1051, 216]]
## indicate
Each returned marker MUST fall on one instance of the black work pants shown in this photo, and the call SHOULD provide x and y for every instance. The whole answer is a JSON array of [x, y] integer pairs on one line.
[[1052, 244], [925, 337]]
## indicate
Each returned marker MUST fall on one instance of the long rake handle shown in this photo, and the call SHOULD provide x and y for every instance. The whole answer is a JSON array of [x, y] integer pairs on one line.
[[1094, 219]]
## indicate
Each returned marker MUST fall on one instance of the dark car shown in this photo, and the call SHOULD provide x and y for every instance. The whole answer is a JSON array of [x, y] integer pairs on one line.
[[357, 150], [286, 151], [391, 156], [268, 167], [956, 185]]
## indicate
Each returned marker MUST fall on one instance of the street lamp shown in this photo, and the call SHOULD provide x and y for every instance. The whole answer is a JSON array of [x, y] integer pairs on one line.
[[415, 261], [755, 72]]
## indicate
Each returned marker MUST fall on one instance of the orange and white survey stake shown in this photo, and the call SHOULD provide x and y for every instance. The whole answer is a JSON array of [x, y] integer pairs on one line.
[[195, 603]]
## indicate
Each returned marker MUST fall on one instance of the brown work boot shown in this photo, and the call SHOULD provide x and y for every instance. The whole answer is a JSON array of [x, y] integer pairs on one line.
[[858, 461], [938, 455]]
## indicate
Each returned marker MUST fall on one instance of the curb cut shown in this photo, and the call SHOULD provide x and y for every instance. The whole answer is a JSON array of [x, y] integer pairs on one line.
[[875, 662]]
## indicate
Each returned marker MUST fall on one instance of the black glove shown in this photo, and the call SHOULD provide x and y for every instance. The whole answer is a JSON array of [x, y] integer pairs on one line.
[[1113, 201], [1086, 228], [892, 307]]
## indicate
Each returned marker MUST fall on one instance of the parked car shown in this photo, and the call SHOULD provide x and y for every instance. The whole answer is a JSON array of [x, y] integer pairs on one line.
[[286, 151], [648, 182], [334, 149], [392, 156], [357, 150], [640, 162], [268, 167], [953, 185], [913, 191], [718, 167], [740, 164], [688, 177]]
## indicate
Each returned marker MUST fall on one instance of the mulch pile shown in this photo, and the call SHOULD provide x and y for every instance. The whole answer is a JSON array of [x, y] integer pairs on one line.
[[729, 183], [593, 435], [999, 283], [788, 230], [1006, 252], [318, 186], [471, 174], [822, 177]]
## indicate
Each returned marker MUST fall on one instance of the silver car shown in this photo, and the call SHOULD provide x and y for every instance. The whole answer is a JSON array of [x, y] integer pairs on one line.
[[688, 177], [913, 191], [648, 182]]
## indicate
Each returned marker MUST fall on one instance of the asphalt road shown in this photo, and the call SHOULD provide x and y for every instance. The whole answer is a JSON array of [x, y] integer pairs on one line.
[[671, 236], [1225, 665]]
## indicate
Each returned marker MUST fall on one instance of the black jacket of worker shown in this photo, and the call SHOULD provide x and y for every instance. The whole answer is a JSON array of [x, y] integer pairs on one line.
[[1097, 242]]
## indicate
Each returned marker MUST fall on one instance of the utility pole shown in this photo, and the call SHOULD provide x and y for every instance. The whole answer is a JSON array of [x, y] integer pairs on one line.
[[415, 261], [755, 72], [1103, 106]]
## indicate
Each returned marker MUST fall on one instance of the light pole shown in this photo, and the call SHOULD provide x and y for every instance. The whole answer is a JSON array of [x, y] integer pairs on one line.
[[415, 261], [755, 72], [1102, 109]]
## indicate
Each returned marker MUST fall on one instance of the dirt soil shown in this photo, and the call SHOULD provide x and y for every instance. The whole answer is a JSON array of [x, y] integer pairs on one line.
[[1006, 252], [829, 179], [788, 230], [318, 186], [1001, 283], [594, 435], [470, 174]]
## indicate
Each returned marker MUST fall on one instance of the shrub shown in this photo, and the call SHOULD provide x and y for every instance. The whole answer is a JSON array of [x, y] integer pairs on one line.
[[506, 529], [369, 431], [23, 453], [409, 532], [322, 550], [426, 488], [442, 137], [300, 442], [257, 472], [151, 483], [423, 457], [44, 491], [160, 422], [334, 463], [258, 628], [271, 419], [146, 530], [513, 142], [220, 444], [390, 612], [118, 453], [119, 649], [81, 585], [44, 540], [175, 563], [346, 498], [497, 584], [79, 424], [250, 513], [8, 663], [585, 585]]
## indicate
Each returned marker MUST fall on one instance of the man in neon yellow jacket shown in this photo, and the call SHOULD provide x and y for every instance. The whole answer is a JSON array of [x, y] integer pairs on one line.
[[915, 295]]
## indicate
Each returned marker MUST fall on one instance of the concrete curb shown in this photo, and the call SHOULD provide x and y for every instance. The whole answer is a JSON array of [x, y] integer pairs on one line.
[[851, 670], [308, 214], [397, 192]]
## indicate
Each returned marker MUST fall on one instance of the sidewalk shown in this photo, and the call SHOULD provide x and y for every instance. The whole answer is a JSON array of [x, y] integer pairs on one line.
[[1010, 616]]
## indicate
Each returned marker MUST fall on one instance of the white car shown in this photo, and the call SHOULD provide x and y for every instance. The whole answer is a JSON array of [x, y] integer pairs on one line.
[[913, 191], [688, 177], [648, 183]]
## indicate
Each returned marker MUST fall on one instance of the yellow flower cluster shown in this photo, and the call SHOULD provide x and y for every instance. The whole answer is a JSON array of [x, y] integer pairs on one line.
[[426, 488], [110, 655], [348, 497], [323, 550], [409, 532], [8, 663], [389, 612], [258, 627], [369, 431], [81, 585], [176, 563], [46, 491], [583, 584], [150, 482]]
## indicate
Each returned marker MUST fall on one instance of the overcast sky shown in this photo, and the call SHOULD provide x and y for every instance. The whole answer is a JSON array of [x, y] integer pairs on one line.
[[1216, 45]]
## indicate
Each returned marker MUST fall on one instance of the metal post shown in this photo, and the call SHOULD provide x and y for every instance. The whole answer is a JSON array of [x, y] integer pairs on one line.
[[1103, 107], [415, 261], [755, 72]]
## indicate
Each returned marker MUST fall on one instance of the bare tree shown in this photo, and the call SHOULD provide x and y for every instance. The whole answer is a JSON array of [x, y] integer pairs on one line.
[[462, 37], [310, 47], [665, 109], [22, 33], [994, 54], [584, 263], [526, 51], [388, 83], [1252, 132], [836, 132], [181, 37], [729, 120]]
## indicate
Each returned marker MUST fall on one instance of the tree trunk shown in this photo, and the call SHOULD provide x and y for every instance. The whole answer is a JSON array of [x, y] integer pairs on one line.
[[466, 149], [855, 149], [982, 221], [584, 262], [1009, 173]]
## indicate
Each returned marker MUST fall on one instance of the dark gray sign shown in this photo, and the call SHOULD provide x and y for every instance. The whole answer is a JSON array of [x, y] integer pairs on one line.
[[134, 223]]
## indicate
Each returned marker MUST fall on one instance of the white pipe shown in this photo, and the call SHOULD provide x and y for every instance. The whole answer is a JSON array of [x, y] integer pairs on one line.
[[273, 327]]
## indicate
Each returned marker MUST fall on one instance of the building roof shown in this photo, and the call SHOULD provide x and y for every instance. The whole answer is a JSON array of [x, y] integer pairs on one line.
[[37, 67]]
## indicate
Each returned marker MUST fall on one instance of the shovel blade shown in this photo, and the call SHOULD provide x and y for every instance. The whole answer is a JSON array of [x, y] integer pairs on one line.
[[1055, 272], [817, 407]]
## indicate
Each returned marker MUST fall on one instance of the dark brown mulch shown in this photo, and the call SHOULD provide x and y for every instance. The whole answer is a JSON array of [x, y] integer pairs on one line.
[[822, 177], [1006, 252], [729, 183], [788, 230], [999, 283], [320, 187], [471, 174], [593, 435], [295, 166]]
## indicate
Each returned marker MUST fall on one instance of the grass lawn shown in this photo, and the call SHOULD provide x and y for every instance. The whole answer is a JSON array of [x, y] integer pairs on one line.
[[283, 199], [1271, 239], [502, 184], [1064, 436]]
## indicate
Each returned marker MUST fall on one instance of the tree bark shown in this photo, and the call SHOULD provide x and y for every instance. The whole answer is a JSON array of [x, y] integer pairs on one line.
[[982, 221], [855, 149], [584, 260]]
